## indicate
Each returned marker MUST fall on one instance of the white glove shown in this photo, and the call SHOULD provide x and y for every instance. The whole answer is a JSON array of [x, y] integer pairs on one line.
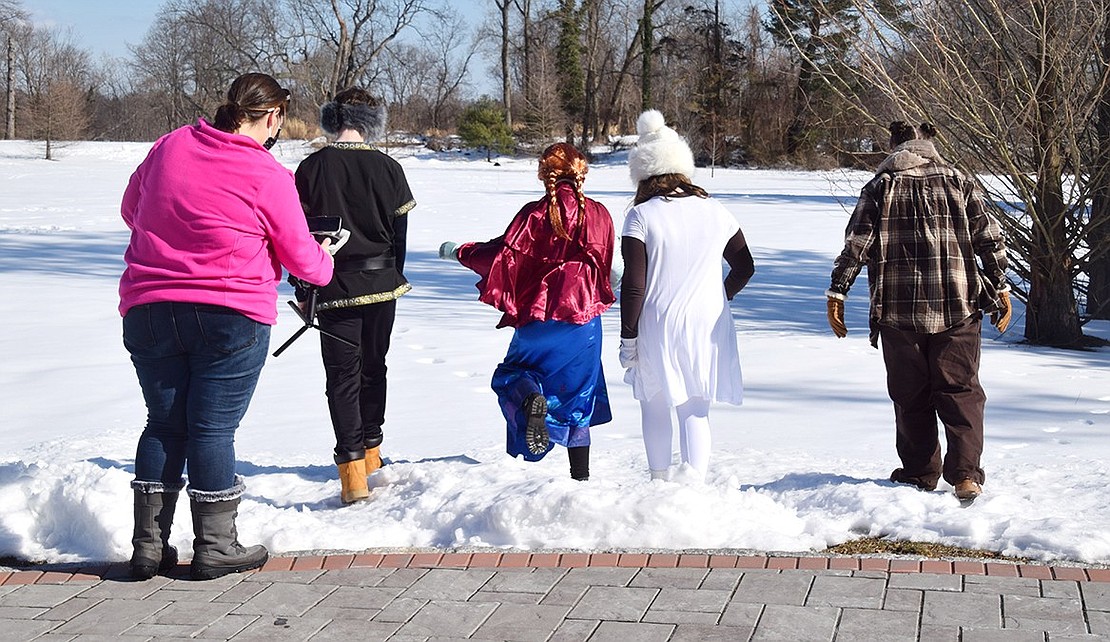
[[449, 251], [628, 353]]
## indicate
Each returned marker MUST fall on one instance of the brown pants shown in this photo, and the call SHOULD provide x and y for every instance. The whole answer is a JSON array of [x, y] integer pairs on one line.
[[930, 376]]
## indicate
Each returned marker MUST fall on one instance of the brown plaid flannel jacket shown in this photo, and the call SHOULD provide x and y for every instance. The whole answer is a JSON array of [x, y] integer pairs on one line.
[[919, 226]]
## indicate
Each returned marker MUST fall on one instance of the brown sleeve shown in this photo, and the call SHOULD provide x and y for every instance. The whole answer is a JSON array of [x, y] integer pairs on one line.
[[741, 265], [633, 283]]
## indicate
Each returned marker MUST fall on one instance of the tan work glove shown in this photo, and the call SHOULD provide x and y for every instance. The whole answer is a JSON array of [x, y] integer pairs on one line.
[[1001, 318], [836, 317]]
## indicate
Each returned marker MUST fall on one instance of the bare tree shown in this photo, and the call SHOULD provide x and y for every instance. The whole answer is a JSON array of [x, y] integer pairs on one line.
[[1015, 88], [12, 16], [339, 42], [506, 87], [56, 77]]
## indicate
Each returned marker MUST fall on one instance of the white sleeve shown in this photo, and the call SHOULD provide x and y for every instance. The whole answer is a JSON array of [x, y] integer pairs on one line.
[[634, 226]]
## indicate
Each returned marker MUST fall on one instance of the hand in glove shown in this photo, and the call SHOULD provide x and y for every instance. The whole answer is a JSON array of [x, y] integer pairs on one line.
[[628, 353], [1001, 318], [836, 316], [449, 251]]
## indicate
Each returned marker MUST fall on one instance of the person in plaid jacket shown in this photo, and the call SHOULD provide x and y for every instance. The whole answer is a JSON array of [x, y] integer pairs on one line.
[[936, 262]]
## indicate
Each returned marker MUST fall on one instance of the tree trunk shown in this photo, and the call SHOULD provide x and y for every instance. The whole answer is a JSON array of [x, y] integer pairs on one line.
[[1051, 312], [1098, 270], [506, 87], [9, 130], [796, 131], [647, 35]]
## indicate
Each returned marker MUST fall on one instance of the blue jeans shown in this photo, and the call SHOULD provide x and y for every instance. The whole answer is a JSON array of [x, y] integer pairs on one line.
[[198, 366]]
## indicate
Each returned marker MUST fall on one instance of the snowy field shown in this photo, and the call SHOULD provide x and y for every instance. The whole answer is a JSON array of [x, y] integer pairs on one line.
[[801, 466]]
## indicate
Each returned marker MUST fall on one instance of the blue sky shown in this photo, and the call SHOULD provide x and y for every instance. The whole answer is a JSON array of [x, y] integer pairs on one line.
[[109, 26]]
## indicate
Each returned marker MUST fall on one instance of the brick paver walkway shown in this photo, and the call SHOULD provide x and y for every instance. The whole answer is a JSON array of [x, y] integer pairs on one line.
[[623, 597]]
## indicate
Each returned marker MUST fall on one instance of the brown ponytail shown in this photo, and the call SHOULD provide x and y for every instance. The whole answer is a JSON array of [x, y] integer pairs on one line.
[[250, 97]]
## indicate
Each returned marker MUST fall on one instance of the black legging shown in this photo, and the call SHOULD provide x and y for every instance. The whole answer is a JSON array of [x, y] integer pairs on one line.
[[579, 462]]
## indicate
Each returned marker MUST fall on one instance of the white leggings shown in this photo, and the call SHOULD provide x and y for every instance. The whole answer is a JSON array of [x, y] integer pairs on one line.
[[694, 439]]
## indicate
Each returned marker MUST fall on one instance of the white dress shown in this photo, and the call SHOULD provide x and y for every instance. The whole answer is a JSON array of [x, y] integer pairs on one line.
[[686, 346]]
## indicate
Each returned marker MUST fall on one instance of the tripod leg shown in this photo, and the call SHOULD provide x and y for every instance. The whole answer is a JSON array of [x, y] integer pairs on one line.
[[336, 337], [291, 339]]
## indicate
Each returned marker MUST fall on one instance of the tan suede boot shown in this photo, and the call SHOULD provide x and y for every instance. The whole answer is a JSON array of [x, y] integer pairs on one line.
[[352, 474], [373, 459]]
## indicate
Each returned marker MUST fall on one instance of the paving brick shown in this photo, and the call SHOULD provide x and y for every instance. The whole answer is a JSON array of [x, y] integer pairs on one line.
[[940, 567], [403, 577], [360, 597], [53, 577], [505, 597], [1001, 570], [41, 595], [696, 600], [1054, 615], [813, 563], [782, 563], [1069, 573], [969, 568], [1096, 596], [574, 560], [483, 560], [1002, 585], [598, 576], [196, 615], [240, 592], [461, 560], [905, 566], [282, 628], [784, 622], [662, 616], [1037, 572], [367, 559], [1067, 589], [400, 610], [227, 627], [69, 609], [574, 630], [426, 560], [1099, 574], [943, 608], [844, 563], [693, 561], [349, 629], [722, 579], [870, 625], [635, 560], [526, 623], [446, 584], [670, 577], [903, 600], [707, 633], [337, 562], [874, 564], [613, 603], [926, 582], [1000, 635], [111, 617], [308, 563], [285, 599], [306, 576], [395, 560], [742, 616], [604, 559], [749, 561], [540, 580], [722, 561], [448, 619], [625, 631], [515, 560], [1099, 622], [22, 577], [278, 564], [356, 576], [127, 590], [773, 588], [544, 560], [663, 560], [857, 592]]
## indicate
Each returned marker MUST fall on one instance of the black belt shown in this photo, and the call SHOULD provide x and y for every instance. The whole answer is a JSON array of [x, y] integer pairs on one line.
[[360, 265]]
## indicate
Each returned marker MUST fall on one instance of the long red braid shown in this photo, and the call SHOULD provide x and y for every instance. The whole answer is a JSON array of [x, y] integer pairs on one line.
[[562, 161]]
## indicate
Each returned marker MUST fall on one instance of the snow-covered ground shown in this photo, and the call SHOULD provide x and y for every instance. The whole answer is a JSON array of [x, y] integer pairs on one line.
[[801, 466]]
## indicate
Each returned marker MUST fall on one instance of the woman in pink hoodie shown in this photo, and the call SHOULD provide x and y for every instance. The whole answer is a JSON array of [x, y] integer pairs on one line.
[[213, 218]]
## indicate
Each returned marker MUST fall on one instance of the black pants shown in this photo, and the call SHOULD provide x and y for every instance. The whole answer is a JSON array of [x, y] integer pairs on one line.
[[930, 376], [356, 375]]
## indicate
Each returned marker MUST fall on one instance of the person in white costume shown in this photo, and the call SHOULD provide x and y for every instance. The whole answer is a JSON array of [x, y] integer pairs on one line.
[[678, 341]]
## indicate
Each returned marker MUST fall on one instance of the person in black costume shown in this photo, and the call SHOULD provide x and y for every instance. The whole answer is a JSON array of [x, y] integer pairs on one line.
[[368, 191]]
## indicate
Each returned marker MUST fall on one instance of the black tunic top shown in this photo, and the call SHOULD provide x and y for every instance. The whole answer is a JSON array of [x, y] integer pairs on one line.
[[368, 191]]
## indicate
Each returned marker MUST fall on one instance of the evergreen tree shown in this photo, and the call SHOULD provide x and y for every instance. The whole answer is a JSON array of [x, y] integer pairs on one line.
[[483, 125], [568, 65]]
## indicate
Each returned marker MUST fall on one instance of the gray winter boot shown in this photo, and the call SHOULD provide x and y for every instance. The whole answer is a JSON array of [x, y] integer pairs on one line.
[[216, 548], [154, 508]]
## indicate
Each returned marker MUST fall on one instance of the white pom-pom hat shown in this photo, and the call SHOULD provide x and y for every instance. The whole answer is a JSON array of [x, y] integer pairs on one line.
[[660, 149]]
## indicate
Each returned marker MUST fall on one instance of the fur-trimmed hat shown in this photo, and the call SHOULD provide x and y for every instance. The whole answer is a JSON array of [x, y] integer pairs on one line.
[[660, 149], [366, 119]]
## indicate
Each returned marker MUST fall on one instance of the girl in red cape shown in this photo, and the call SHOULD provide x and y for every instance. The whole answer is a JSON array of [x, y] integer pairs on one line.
[[549, 276]]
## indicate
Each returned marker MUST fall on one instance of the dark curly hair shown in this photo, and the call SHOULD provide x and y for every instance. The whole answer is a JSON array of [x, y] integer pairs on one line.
[[901, 131]]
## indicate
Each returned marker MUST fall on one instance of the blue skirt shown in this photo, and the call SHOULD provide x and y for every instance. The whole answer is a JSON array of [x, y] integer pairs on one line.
[[561, 361]]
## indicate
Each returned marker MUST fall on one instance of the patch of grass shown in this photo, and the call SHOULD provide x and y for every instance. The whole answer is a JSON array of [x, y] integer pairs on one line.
[[881, 546]]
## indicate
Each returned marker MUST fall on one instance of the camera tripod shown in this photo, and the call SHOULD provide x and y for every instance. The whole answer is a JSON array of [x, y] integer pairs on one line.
[[307, 313]]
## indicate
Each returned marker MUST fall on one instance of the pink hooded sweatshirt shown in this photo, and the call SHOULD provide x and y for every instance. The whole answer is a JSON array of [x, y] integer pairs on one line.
[[213, 219]]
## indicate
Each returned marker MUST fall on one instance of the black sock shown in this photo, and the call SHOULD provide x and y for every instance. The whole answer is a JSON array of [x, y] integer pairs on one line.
[[579, 462]]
